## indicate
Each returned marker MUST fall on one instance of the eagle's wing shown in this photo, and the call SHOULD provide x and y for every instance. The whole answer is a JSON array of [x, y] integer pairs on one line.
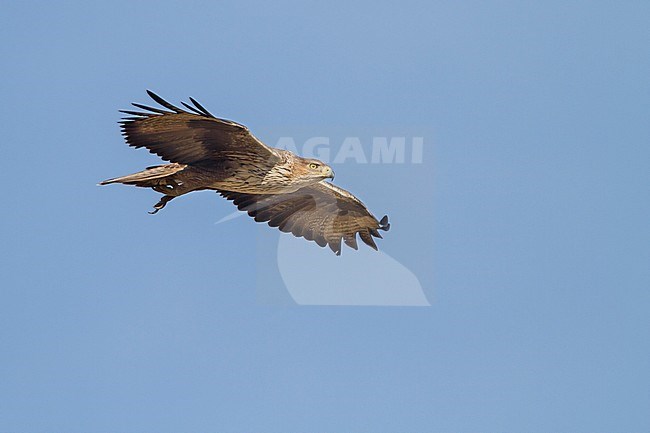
[[322, 212], [190, 136]]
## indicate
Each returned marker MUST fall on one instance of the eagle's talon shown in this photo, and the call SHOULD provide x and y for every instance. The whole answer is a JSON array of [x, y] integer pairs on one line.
[[161, 204]]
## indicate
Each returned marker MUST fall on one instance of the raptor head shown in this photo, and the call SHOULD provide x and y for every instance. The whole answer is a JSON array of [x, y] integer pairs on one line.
[[314, 169]]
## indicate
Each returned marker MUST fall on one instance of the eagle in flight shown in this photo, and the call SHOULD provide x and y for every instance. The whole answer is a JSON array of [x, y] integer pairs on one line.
[[272, 185]]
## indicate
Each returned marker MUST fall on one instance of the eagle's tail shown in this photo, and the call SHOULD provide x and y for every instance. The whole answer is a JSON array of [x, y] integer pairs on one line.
[[149, 177]]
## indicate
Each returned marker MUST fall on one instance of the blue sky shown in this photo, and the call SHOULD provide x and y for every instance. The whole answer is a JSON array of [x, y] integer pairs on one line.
[[526, 224]]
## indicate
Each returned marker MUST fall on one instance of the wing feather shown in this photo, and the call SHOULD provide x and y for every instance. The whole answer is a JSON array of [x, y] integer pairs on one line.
[[351, 241], [187, 137], [323, 213]]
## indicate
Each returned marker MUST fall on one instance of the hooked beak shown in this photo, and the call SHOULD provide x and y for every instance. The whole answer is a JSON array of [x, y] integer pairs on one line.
[[331, 175]]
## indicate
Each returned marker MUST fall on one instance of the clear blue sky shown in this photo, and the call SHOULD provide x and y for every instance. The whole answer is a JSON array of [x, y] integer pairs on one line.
[[526, 223]]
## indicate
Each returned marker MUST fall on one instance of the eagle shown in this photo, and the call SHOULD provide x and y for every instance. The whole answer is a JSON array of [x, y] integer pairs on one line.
[[272, 185]]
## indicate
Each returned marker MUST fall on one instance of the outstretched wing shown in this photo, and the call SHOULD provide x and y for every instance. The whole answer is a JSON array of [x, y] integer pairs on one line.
[[190, 136], [322, 212]]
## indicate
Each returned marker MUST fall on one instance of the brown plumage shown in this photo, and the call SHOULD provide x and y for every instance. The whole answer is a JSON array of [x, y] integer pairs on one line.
[[272, 185]]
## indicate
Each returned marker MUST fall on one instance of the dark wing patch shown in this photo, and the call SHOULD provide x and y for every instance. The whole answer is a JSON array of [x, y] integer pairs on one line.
[[323, 213], [187, 137]]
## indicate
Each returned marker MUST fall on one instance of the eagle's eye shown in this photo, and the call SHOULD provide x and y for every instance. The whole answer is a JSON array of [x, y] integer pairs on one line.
[[313, 165]]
